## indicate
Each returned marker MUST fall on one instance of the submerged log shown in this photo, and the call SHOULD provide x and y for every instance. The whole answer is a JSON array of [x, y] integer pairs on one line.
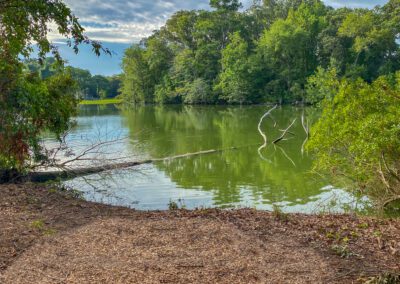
[[73, 173]]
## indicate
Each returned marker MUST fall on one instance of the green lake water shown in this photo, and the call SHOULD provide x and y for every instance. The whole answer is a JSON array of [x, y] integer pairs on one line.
[[245, 177]]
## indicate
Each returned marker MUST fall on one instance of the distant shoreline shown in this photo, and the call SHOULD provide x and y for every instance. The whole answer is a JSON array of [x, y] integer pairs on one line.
[[121, 101], [101, 102]]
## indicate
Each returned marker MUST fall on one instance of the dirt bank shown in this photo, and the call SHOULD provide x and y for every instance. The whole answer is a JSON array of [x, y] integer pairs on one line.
[[51, 237]]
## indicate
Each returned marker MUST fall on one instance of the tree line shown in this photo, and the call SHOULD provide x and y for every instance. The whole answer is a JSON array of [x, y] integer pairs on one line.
[[87, 86], [266, 53]]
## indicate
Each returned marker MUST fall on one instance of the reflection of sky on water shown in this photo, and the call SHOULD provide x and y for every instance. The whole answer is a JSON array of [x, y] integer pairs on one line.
[[146, 188], [143, 187]]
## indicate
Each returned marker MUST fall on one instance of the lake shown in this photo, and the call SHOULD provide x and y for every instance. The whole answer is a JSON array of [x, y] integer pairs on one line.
[[248, 176]]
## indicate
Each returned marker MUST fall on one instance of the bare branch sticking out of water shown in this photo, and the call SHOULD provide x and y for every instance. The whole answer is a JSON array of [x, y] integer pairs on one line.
[[263, 134], [306, 127], [285, 132], [261, 121]]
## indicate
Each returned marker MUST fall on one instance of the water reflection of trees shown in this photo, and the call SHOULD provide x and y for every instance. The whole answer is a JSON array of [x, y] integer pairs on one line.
[[166, 131], [97, 110]]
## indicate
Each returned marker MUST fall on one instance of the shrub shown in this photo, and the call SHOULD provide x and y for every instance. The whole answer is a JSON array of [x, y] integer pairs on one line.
[[357, 137]]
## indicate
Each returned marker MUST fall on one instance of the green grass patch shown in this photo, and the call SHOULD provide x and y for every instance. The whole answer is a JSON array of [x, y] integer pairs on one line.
[[101, 102]]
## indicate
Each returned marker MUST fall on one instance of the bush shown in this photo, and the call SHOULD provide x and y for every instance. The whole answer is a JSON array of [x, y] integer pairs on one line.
[[322, 85], [30, 107], [357, 137]]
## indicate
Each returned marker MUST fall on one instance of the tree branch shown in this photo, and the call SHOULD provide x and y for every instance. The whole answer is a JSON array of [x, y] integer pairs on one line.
[[286, 131]]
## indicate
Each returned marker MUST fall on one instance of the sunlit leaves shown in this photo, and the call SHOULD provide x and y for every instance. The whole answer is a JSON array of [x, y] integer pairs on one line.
[[358, 135]]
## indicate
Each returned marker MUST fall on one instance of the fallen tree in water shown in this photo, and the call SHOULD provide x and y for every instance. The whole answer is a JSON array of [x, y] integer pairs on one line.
[[42, 176]]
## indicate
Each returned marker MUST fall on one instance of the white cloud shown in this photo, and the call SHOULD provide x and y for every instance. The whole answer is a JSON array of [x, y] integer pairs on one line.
[[355, 3], [127, 21]]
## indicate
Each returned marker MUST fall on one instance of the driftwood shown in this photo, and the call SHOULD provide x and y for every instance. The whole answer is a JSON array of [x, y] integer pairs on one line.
[[268, 113], [73, 173], [305, 125], [261, 121], [285, 132], [306, 128]]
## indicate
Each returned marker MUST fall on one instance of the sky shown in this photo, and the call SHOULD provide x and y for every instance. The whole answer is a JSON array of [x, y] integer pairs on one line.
[[119, 23]]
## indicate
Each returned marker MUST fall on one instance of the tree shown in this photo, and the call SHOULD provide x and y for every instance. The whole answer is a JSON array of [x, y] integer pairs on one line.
[[324, 84], [99, 86], [198, 92], [226, 5], [374, 47], [266, 53], [24, 22], [158, 56], [180, 28], [357, 138], [391, 14], [83, 79], [46, 69], [289, 48], [333, 50], [234, 83], [114, 86], [28, 105], [182, 73], [136, 80], [35, 106]]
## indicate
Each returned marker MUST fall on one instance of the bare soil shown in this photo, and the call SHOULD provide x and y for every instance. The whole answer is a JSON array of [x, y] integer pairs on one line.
[[47, 236]]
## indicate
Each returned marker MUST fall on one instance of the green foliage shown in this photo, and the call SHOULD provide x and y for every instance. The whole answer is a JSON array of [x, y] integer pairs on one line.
[[25, 22], [322, 85], [47, 68], [180, 27], [38, 225], [198, 92], [358, 136], [226, 5], [279, 214], [264, 54], [289, 49], [136, 80], [235, 78], [342, 250], [373, 44], [88, 86], [39, 97], [176, 205], [385, 278], [35, 105]]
